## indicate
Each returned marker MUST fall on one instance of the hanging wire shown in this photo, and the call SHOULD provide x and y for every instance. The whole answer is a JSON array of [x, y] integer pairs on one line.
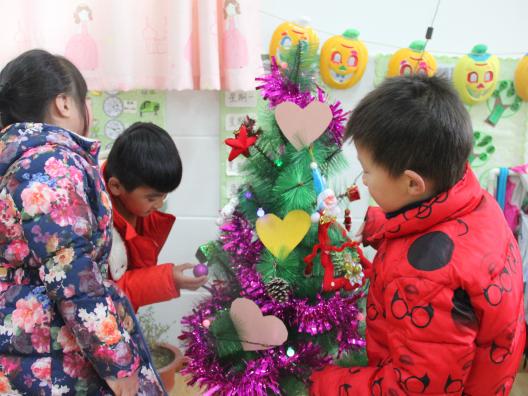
[[428, 36], [357, 177], [388, 45], [327, 32]]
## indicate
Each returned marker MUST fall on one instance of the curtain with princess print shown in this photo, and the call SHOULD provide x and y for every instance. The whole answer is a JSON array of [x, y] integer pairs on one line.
[[142, 44]]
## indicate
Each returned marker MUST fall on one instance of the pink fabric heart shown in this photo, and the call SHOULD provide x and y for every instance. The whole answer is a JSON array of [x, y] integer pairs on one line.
[[303, 126], [256, 332]]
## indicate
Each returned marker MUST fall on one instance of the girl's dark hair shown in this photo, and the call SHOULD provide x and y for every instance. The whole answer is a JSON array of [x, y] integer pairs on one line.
[[145, 155], [32, 80]]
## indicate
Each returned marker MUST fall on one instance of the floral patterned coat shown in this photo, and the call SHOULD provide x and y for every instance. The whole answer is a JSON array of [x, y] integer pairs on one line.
[[63, 327]]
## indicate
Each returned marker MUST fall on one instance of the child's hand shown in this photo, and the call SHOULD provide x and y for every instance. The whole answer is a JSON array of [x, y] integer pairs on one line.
[[358, 236], [187, 282]]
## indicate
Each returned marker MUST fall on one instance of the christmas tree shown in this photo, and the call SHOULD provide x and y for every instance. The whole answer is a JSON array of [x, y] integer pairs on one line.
[[283, 251]]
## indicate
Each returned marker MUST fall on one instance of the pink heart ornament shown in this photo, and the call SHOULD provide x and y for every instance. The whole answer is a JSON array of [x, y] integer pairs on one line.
[[256, 332], [302, 127]]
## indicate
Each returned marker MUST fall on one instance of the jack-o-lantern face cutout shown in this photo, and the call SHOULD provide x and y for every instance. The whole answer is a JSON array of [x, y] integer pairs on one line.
[[343, 60], [412, 61], [521, 78], [288, 35], [476, 75]]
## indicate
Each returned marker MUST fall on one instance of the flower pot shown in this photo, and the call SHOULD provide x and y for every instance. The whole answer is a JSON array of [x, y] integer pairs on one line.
[[168, 371]]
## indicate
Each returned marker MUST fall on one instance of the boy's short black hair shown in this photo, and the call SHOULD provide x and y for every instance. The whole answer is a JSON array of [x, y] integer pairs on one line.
[[415, 123], [145, 155]]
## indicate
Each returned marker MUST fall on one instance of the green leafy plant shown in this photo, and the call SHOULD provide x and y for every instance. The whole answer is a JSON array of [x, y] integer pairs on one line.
[[155, 333], [483, 149], [503, 103]]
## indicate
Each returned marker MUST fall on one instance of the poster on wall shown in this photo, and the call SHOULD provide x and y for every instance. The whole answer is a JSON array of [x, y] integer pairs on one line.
[[500, 124], [234, 107], [114, 111]]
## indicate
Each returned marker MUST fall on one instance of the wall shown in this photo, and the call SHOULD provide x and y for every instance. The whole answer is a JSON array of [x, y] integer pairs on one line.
[[193, 117], [193, 121]]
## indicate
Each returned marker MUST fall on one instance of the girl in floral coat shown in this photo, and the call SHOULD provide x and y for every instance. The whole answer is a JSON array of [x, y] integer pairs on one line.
[[64, 329]]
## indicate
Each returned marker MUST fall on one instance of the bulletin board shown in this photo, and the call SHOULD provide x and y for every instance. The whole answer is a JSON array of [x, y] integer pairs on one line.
[[499, 133], [114, 111], [234, 107]]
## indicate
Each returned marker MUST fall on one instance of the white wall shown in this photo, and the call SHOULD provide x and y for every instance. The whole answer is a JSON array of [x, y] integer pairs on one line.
[[459, 24], [193, 117]]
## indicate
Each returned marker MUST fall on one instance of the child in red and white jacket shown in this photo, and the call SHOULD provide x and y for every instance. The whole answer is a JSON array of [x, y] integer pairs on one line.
[[143, 166]]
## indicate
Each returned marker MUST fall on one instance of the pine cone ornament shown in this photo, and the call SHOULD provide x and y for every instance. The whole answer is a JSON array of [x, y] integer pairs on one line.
[[278, 289]]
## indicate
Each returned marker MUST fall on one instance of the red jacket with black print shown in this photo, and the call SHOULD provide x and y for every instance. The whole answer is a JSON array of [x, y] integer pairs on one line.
[[445, 306]]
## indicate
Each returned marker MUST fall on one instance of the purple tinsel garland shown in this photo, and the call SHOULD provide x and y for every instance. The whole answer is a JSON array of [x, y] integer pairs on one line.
[[262, 374], [276, 88], [329, 314], [238, 239]]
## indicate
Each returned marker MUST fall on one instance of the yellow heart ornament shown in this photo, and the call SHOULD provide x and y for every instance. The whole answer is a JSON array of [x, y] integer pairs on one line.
[[282, 236]]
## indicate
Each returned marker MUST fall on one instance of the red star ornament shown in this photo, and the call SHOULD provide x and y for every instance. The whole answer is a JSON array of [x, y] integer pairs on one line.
[[240, 144]]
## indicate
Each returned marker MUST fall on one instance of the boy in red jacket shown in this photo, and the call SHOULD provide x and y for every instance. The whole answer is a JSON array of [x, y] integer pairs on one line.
[[142, 168], [445, 305]]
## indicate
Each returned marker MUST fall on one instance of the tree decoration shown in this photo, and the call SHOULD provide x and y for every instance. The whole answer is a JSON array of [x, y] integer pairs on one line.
[[241, 143], [256, 332], [347, 221], [303, 126], [324, 248], [282, 236], [278, 289], [265, 232]]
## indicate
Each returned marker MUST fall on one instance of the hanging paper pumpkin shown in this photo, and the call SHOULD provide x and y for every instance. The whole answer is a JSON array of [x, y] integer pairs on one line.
[[343, 60], [521, 78], [289, 34], [476, 75], [411, 61]]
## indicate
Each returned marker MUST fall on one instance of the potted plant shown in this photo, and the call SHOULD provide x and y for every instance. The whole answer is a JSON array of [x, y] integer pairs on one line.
[[167, 358]]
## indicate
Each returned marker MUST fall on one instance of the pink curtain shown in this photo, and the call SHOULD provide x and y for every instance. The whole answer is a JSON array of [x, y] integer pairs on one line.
[[142, 44]]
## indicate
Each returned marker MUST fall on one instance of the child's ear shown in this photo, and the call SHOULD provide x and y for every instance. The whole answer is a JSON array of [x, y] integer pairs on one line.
[[62, 105], [416, 184], [114, 186]]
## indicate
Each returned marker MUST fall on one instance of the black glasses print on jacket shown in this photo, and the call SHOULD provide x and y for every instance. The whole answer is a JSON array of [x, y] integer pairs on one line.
[[420, 315], [494, 292]]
